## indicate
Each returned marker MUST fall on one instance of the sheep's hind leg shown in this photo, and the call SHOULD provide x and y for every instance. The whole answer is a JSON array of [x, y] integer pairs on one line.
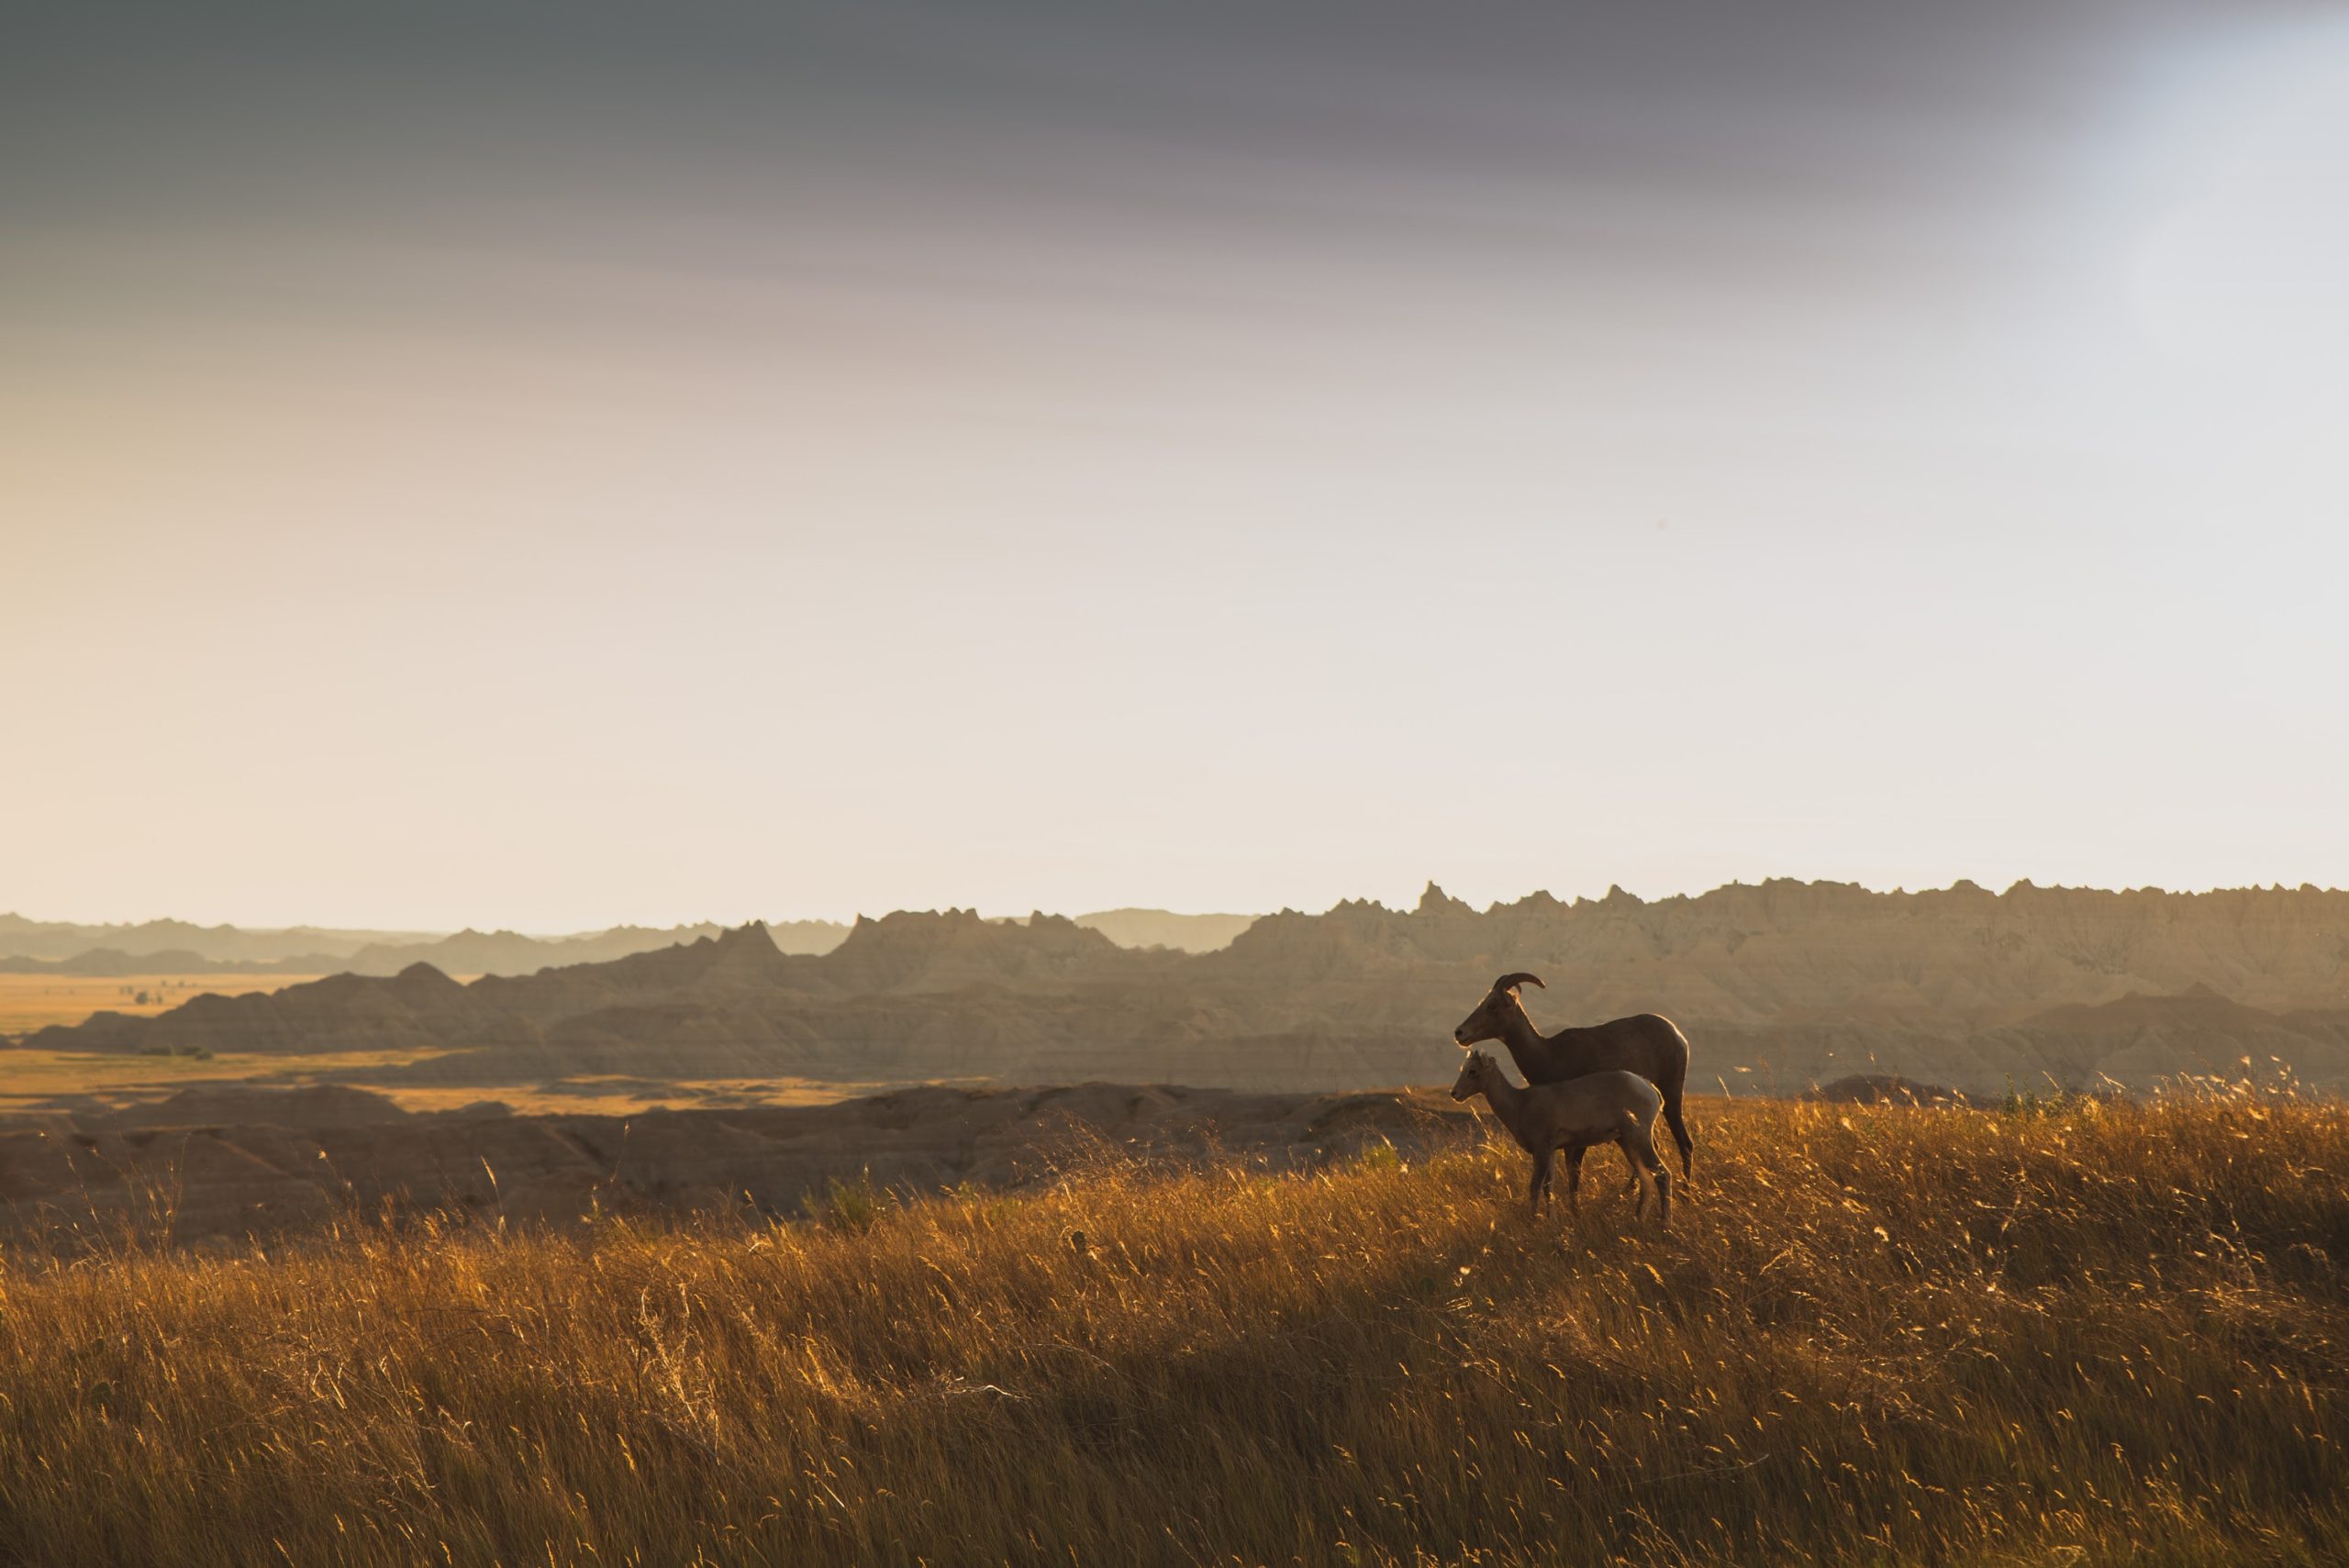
[[1680, 1135]]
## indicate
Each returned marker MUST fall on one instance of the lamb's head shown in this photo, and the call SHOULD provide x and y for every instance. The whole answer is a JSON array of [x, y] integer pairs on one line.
[[1471, 1082], [1492, 1013]]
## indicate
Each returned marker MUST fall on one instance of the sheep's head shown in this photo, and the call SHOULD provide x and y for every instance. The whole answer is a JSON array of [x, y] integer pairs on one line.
[[1470, 1081], [1491, 1015]]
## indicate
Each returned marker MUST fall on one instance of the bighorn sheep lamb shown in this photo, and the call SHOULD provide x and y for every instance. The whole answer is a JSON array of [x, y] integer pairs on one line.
[[1651, 1046], [1599, 1107]]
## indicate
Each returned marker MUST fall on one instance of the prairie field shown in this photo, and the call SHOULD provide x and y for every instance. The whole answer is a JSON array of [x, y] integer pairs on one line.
[[33, 1078], [30, 1076], [616, 1094], [2074, 1332], [30, 1002]]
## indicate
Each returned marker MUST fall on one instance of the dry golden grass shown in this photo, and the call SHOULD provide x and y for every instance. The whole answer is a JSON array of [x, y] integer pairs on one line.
[[30, 1002], [2097, 1334]]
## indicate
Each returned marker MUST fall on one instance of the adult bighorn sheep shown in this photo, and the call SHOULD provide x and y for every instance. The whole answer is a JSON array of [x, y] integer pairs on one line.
[[1644, 1043], [1554, 1119]]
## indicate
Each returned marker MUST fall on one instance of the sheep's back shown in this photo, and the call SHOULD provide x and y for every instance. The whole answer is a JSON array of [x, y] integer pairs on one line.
[[1595, 1101]]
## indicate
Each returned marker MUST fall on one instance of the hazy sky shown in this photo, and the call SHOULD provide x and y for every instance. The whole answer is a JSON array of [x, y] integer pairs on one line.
[[546, 466]]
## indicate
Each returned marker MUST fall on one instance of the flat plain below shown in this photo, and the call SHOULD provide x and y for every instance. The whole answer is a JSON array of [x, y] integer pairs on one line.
[[35, 1079], [30, 1002]]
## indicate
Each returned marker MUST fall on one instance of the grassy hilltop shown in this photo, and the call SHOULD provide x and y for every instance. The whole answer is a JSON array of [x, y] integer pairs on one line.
[[2091, 1333]]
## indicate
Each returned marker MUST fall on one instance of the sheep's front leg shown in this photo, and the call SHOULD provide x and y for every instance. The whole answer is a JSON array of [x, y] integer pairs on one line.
[[1573, 1180], [1540, 1183]]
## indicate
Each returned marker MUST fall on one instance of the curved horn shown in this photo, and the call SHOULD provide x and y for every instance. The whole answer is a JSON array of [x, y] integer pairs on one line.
[[1511, 982]]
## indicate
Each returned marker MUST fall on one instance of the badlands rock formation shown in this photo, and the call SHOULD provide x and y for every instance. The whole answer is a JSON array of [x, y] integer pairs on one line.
[[1779, 986]]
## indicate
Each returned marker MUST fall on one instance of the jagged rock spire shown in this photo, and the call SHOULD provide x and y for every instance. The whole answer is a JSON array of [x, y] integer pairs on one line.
[[1436, 901]]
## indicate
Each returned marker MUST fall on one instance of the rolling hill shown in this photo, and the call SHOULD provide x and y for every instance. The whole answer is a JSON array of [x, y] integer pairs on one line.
[[177, 947]]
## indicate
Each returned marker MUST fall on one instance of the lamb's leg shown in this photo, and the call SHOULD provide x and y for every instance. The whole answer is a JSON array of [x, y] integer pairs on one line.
[[1640, 1188], [1573, 1179], [1540, 1183], [1647, 1170]]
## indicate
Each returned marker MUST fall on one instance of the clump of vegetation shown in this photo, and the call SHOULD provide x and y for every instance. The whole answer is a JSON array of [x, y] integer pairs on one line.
[[854, 1206], [1873, 1335]]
